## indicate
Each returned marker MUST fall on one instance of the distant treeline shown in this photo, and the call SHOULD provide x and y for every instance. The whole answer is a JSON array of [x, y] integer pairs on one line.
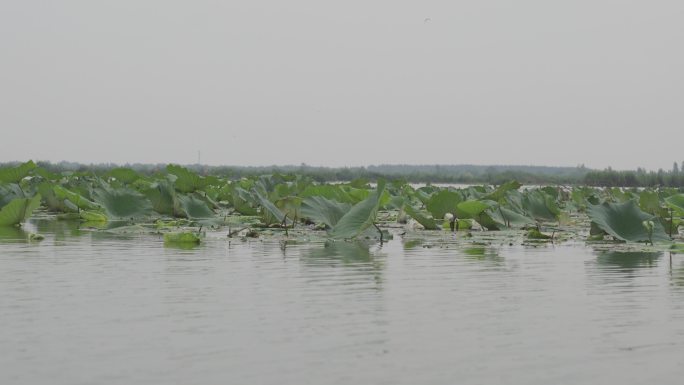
[[466, 174], [638, 178]]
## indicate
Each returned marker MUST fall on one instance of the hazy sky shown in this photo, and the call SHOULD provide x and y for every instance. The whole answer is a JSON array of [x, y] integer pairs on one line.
[[350, 82]]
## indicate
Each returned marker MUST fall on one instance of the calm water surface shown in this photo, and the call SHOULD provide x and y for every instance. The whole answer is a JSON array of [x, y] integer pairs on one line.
[[88, 308]]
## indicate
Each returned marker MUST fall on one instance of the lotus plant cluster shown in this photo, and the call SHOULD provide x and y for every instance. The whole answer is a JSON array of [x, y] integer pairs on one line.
[[175, 199]]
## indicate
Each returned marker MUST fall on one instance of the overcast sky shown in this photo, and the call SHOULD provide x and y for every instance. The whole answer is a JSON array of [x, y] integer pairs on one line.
[[336, 83]]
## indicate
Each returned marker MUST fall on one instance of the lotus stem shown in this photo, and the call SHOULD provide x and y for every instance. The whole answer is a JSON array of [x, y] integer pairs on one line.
[[232, 233], [380, 231]]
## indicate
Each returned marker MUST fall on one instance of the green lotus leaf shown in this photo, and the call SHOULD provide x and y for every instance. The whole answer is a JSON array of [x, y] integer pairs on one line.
[[122, 203], [163, 198], [478, 211], [540, 206], [243, 202], [45, 174], [92, 216], [18, 210], [676, 202], [182, 237], [620, 195], [501, 191], [290, 206], [357, 195], [194, 207], [471, 208], [649, 202], [124, 175], [322, 210], [10, 191], [421, 217], [536, 234], [15, 174], [475, 192], [443, 202], [270, 213], [509, 218], [332, 192], [423, 194], [360, 217], [186, 180], [75, 199], [625, 221]]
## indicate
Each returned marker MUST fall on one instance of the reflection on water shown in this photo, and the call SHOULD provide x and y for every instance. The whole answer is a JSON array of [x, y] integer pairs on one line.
[[677, 269], [412, 243], [59, 229], [353, 255], [628, 259], [348, 252], [12, 234], [483, 253], [120, 307]]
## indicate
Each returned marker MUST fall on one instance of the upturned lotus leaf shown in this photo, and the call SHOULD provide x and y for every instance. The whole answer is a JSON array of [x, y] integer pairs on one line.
[[18, 210], [323, 210], [421, 217], [442, 202], [676, 202], [15, 174], [541, 206], [501, 191], [360, 217], [122, 203], [194, 207], [625, 221]]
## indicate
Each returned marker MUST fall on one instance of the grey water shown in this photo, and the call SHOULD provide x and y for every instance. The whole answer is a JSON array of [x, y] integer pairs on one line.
[[82, 307]]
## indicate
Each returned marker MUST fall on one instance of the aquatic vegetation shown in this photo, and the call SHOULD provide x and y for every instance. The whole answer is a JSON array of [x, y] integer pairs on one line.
[[360, 217], [18, 210], [176, 201], [625, 221], [182, 237]]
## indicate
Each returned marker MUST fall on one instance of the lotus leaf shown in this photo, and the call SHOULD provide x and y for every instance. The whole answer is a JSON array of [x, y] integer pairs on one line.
[[540, 206], [15, 174], [163, 198], [186, 180], [75, 200], [124, 175], [323, 210], [182, 237], [360, 217], [122, 203], [270, 213], [443, 202], [421, 217], [501, 191], [676, 202], [18, 210], [649, 202], [10, 191], [625, 221], [194, 208]]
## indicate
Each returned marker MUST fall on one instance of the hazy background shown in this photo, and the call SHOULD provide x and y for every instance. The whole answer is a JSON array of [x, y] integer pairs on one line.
[[343, 82]]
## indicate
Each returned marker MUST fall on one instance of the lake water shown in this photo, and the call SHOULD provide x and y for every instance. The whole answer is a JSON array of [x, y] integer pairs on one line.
[[89, 308]]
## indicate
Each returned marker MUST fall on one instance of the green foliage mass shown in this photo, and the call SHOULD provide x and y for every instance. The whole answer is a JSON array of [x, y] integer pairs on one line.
[[104, 198]]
